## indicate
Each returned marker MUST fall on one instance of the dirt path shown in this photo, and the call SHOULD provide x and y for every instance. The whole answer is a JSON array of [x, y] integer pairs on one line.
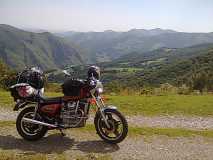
[[7, 114], [172, 122], [143, 121], [84, 143]]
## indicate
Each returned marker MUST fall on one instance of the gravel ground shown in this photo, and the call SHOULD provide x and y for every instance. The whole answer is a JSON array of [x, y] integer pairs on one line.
[[136, 148], [172, 122], [143, 121], [7, 114], [84, 143]]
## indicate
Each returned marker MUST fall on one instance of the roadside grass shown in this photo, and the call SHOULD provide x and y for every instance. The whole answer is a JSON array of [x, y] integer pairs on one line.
[[151, 131], [170, 132], [94, 157], [7, 124], [10, 155], [187, 105], [140, 131], [7, 101]]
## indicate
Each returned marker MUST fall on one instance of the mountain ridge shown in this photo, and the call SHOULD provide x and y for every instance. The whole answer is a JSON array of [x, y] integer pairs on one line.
[[107, 46], [19, 48]]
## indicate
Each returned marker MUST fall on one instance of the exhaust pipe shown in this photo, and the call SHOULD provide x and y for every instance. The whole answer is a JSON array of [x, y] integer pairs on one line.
[[39, 122]]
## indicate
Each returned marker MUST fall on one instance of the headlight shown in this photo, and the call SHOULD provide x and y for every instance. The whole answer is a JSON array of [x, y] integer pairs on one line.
[[100, 90]]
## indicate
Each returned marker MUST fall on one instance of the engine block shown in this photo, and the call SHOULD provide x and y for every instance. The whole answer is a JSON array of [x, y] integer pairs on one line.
[[73, 115]]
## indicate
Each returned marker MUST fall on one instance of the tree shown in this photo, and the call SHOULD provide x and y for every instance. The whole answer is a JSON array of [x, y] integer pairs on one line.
[[199, 81], [7, 76]]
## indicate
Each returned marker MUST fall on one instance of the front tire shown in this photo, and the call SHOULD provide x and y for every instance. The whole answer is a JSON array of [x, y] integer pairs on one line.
[[112, 134], [27, 130]]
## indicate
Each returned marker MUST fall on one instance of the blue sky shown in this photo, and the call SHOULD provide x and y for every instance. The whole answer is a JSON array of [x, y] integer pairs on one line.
[[99, 15]]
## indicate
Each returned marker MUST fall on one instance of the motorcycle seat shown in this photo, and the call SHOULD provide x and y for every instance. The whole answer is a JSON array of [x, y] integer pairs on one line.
[[51, 99]]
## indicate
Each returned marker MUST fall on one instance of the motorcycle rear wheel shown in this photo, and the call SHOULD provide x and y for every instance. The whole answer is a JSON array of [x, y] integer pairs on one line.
[[27, 130]]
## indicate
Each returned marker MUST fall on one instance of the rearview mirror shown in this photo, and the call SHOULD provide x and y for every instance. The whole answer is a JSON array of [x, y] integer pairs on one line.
[[66, 73]]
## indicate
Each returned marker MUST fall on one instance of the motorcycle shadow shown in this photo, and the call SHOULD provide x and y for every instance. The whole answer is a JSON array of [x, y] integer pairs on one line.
[[96, 147], [54, 143]]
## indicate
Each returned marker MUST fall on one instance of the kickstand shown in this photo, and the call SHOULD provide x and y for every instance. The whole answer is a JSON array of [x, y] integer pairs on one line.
[[62, 133]]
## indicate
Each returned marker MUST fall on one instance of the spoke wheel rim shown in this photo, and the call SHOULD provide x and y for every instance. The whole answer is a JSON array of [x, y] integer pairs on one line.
[[116, 126], [30, 128]]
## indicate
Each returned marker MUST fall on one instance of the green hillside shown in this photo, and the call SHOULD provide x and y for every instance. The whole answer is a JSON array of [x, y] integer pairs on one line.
[[174, 66], [19, 48], [110, 45]]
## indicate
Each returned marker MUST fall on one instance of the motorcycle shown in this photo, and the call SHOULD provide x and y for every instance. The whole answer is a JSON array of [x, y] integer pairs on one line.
[[40, 114]]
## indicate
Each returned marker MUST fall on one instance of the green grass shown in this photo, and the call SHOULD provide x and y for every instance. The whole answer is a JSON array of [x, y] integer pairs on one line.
[[10, 155], [201, 105], [94, 157], [170, 132], [6, 124], [151, 131], [53, 94], [189, 105], [5, 98]]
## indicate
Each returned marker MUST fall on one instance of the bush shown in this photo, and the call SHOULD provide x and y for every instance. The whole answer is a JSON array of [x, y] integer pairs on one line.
[[53, 87], [184, 90], [7, 76]]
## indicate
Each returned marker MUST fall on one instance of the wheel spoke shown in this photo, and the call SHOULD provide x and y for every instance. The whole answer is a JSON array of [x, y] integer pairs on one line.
[[116, 130], [118, 123], [109, 116], [116, 133], [107, 132]]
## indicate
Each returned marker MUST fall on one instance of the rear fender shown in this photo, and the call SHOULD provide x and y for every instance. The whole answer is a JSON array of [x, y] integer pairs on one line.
[[19, 105]]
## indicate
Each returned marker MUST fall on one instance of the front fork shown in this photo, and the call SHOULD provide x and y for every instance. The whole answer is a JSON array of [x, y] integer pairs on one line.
[[100, 104]]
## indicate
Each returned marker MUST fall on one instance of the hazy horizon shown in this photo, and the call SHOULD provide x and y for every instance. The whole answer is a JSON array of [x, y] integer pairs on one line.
[[40, 30], [97, 16]]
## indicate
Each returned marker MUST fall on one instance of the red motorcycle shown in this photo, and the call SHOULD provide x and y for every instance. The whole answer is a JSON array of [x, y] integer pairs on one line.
[[40, 114]]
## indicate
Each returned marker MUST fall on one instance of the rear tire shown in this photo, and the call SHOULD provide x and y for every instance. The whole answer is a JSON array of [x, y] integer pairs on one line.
[[100, 127], [25, 129]]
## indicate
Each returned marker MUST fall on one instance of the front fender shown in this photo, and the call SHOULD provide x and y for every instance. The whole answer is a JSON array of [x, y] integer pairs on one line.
[[102, 112], [105, 109], [108, 108]]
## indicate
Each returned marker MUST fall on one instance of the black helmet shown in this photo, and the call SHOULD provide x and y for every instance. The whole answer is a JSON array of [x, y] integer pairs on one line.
[[94, 71]]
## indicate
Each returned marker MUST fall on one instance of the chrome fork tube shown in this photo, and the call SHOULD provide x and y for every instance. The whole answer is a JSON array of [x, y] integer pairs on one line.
[[97, 101]]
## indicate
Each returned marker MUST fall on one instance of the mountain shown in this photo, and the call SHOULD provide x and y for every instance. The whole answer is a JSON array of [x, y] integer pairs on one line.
[[165, 65], [165, 54], [110, 45], [19, 48], [181, 71]]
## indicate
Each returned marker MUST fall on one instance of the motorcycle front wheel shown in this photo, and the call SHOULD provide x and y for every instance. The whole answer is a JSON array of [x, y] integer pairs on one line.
[[27, 130], [118, 129]]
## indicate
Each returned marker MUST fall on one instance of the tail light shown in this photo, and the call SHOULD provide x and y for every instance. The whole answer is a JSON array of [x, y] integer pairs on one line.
[[25, 91]]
